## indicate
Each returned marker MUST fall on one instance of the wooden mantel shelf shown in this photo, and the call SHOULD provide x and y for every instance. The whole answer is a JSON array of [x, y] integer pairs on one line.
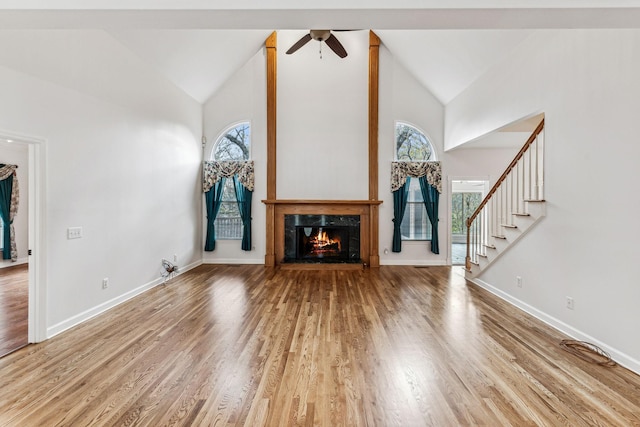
[[320, 202]]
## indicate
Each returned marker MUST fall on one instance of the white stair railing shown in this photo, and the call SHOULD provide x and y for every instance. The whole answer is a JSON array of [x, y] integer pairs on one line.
[[521, 183]]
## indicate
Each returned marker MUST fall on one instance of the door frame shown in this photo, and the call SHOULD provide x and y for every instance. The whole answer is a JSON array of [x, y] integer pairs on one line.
[[487, 187], [37, 330]]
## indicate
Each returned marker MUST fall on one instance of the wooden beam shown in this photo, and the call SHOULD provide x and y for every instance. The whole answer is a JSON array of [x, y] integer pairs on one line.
[[272, 63], [374, 71]]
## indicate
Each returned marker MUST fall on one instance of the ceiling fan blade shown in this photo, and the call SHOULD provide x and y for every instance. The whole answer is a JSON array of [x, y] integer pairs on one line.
[[336, 46], [304, 40]]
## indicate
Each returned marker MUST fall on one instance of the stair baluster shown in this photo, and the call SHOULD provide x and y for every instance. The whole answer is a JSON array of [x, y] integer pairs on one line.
[[521, 183]]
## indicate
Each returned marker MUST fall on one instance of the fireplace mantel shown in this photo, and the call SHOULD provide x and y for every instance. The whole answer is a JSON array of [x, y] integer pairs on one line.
[[321, 202], [366, 209]]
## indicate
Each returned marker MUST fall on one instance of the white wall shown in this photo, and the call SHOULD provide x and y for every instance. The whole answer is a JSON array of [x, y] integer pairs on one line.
[[126, 171], [322, 130], [18, 154], [585, 81], [403, 98], [243, 97]]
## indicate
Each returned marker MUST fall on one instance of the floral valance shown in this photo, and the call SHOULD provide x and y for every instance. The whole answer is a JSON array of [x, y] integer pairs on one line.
[[401, 170], [213, 171], [6, 171]]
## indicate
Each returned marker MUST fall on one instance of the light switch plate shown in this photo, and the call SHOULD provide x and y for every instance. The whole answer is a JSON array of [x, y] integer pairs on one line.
[[74, 232]]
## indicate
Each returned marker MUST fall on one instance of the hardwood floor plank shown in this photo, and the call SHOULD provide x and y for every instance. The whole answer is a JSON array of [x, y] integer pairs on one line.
[[256, 346], [14, 308]]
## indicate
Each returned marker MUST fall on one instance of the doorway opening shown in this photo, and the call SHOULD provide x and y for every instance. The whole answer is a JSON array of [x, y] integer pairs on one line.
[[22, 317], [466, 196]]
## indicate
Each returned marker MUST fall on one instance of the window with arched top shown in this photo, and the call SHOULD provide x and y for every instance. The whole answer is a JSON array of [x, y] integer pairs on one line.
[[232, 144], [412, 145]]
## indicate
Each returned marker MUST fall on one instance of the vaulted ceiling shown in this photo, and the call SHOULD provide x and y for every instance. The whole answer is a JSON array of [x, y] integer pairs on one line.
[[198, 44]]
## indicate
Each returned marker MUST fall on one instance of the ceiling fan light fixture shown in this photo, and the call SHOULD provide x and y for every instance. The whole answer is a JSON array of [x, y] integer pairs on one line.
[[320, 35]]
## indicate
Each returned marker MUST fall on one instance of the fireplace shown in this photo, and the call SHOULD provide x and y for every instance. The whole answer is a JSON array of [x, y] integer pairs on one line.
[[283, 216], [322, 239]]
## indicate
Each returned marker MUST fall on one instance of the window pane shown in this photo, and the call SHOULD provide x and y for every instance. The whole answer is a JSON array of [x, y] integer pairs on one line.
[[462, 207], [415, 222], [228, 222], [411, 144], [234, 144]]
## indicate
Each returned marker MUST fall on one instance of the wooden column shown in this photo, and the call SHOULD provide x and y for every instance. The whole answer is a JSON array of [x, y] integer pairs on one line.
[[374, 62], [272, 62]]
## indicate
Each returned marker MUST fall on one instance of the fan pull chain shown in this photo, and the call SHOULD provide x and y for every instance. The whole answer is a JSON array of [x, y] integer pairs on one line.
[[320, 43]]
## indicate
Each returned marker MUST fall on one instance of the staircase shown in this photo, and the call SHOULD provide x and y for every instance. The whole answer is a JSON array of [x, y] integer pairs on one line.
[[511, 208]]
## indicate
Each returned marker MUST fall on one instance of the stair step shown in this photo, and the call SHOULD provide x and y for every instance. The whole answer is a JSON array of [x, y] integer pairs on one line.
[[509, 225], [521, 214], [489, 246], [499, 236], [481, 255]]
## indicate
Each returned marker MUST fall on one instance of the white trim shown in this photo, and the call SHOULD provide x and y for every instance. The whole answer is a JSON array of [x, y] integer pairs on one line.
[[19, 261], [414, 262], [37, 305], [233, 261], [101, 308], [618, 356]]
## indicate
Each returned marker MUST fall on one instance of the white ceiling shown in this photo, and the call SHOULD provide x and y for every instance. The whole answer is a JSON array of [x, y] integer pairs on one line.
[[198, 44]]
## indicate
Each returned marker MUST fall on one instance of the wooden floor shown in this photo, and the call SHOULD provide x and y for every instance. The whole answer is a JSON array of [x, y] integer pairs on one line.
[[253, 346], [14, 307]]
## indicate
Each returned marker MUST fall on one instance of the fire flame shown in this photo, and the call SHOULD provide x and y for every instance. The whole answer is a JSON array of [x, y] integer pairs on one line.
[[322, 240]]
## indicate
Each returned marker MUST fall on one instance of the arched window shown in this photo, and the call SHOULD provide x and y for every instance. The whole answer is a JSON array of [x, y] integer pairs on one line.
[[412, 145], [232, 144]]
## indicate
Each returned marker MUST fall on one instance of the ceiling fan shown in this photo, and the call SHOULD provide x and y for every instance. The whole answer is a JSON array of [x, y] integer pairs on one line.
[[321, 36]]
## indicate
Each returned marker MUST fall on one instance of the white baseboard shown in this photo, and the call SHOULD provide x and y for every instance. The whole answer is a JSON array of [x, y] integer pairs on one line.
[[619, 357], [101, 308], [19, 261], [233, 261], [414, 262]]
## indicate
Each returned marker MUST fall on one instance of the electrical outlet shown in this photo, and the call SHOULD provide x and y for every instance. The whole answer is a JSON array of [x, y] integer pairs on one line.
[[74, 232], [105, 283], [519, 281], [570, 304], [175, 257]]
